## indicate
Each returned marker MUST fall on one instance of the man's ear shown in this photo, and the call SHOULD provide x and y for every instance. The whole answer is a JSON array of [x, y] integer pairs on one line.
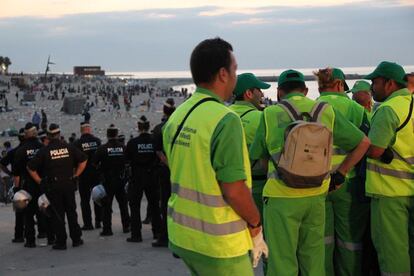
[[222, 75], [305, 91]]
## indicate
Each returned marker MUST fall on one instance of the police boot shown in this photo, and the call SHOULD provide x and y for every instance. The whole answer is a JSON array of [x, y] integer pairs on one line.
[[77, 243], [30, 244], [135, 238], [59, 246]]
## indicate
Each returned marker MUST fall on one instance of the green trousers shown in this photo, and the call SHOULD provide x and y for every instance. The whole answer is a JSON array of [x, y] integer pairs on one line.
[[202, 265], [294, 230], [392, 227], [347, 221], [257, 191]]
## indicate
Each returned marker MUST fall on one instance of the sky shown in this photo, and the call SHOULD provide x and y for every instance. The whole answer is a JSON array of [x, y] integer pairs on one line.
[[159, 35]]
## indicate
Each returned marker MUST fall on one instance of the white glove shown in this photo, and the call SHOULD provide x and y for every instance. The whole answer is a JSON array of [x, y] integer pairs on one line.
[[259, 248]]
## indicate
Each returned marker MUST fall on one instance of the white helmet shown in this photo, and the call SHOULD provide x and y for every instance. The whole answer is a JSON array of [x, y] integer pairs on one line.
[[21, 199], [98, 193], [43, 202]]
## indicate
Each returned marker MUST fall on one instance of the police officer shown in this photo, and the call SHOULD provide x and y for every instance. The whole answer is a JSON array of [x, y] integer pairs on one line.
[[110, 160], [163, 173], [61, 165], [89, 178], [23, 180], [142, 157], [5, 161]]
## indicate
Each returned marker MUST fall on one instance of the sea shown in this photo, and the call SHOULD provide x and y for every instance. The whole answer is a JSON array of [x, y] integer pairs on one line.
[[270, 93]]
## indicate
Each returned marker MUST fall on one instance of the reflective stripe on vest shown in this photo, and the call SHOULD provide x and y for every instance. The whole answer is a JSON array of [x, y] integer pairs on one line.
[[209, 228], [193, 195], [395, 274], [390, 172], [199, 219], [351, 246]]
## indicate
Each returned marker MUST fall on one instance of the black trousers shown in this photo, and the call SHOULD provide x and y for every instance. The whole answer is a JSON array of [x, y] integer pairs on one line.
[[18, 225], [29, 212], [62, 202], [165, 191], [144, 181], [114, 187], [85, 188]]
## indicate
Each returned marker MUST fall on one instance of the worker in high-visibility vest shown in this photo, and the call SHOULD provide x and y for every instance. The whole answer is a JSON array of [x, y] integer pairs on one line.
[[390, 170], [212, 219]]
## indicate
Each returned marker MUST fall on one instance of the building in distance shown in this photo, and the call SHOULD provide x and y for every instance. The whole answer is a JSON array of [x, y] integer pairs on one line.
[[86, 71]]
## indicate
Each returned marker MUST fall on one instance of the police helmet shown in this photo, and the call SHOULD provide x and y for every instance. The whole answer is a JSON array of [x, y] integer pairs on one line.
[[21, 199], [98, 194], [43, 202]]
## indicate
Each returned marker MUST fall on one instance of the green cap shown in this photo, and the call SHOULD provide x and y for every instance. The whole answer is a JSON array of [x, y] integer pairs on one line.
[[290, 75], [338, 74], [389, 70], [360, 86], [248, 81]]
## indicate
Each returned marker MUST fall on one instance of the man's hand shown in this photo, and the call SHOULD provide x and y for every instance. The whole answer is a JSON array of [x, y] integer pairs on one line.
[[337, 179], [259, 247]]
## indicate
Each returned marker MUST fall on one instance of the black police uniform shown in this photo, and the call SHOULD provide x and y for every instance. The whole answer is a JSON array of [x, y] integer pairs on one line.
[[88, 179], [142, 157], [163, 173], [19, 217], [110, 161], [23, 154], [57, 161]]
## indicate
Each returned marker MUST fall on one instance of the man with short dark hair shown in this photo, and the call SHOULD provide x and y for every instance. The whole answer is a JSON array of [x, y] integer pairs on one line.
[[361, 93], [410, 82], [390, 170], [60, 164], [212, 217]]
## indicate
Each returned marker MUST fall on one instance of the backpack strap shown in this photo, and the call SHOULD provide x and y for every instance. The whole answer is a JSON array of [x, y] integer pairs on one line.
[[241, 116], [180, 126], [317, 110], [408, 117], [294, 114]]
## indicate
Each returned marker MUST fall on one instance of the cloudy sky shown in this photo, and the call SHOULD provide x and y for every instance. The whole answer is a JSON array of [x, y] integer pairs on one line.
[[158, 35]]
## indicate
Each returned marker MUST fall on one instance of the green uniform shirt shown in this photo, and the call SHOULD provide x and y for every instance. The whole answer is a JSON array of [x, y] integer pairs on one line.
[[345, 134], [226, 146], [384, 123], [250, 119]]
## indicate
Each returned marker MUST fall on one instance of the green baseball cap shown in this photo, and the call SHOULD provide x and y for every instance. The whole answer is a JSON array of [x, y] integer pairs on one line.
[[338, 74], [290, 75], [389, 70], [248, 81], [360, 86]]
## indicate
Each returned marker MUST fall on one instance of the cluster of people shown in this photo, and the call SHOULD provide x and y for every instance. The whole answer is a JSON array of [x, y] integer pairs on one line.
[[330, 180], [47, 171], [317, 187]]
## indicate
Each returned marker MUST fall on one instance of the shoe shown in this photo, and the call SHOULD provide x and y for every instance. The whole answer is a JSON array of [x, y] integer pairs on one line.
[[17, 240], [126, 229], [30, 244], [87, 227], [97, 225], [59, 246], [41, 235], [146, 221], [106, 233], [134, 239], [77, 243], [160, 243]]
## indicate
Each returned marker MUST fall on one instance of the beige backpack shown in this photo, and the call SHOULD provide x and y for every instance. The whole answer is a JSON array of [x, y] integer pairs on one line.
[[306, 157]]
